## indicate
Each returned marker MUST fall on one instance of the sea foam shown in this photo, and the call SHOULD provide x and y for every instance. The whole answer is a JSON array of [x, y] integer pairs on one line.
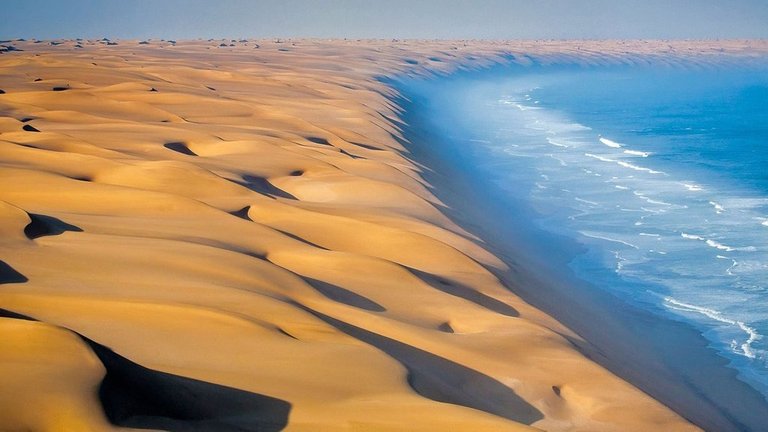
[[744, 348], [609, 143]]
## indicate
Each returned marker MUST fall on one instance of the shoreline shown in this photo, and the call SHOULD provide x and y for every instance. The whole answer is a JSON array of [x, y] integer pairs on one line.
[[670, 360]]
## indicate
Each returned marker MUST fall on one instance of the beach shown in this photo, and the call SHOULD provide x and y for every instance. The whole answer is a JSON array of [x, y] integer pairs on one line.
[[249, 235]]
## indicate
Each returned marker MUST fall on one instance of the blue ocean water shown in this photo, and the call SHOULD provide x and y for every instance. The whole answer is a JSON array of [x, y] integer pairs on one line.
[[659, 172]]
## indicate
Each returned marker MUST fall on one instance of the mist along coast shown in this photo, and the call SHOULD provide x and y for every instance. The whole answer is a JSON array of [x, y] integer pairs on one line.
[[279, 235]]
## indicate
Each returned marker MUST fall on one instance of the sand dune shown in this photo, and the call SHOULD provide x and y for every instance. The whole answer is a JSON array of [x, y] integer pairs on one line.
[[198, 237]]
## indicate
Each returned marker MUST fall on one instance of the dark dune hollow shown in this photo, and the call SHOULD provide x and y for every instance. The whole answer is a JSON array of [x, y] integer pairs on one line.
[[443, 380], [42, 225], [264, 187], [344, 152], [342, 295], [179, 147], [242, 213], [137, 397], [466, 293], [30, 128], [445, 328], [301, 239], [365, 146], [318, 140], [5, 313], [9, 275]]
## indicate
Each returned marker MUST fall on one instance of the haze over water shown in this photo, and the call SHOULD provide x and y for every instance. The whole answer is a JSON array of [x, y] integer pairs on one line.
[[658, 171]]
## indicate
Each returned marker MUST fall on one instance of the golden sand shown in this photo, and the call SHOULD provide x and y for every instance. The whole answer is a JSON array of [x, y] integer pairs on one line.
[[245, 232]]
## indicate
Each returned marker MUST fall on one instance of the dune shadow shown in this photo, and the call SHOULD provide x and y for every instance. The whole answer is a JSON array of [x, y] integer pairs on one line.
[[444, 380], [42, 225], [343, 295], [9, 275], [138, 397], [5, 313], [346, 153], [466, 293], [365, 146], [179, 147], [318, 140], [301, 239], [263, 186], [242, 213]]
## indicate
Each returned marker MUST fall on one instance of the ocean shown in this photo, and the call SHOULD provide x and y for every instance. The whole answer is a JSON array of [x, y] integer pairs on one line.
[[658, 171]]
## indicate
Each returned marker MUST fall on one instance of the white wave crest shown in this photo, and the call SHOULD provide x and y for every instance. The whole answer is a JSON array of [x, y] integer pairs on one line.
[[622, 163], [600, 158], [718, 207], [638, 168], [717, 245], [693, 187], [637, 153], [609, 143], [643, 197], [586, 201], [752, 334], [600, 237], [691, 236], [556, 143]]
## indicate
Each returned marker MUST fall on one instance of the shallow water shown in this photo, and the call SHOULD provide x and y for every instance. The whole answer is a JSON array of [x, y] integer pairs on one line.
[[659, 172]]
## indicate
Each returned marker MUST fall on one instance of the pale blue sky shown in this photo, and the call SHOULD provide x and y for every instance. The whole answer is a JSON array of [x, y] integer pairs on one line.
[[446, 19]]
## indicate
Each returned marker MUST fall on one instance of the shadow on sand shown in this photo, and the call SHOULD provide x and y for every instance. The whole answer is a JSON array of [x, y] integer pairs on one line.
[[443, 380], [138, 397]]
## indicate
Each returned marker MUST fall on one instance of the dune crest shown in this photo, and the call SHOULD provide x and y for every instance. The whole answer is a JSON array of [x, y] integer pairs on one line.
[[243, 225]]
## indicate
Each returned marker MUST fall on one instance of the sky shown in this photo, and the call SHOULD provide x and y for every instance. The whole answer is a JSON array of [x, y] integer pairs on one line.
[[422, 19]]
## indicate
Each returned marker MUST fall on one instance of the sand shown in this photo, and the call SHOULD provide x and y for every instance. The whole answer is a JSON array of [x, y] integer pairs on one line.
[[206, 237]]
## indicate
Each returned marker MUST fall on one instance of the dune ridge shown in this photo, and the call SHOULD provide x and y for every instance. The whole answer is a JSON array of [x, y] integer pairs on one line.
[[242, 222]]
